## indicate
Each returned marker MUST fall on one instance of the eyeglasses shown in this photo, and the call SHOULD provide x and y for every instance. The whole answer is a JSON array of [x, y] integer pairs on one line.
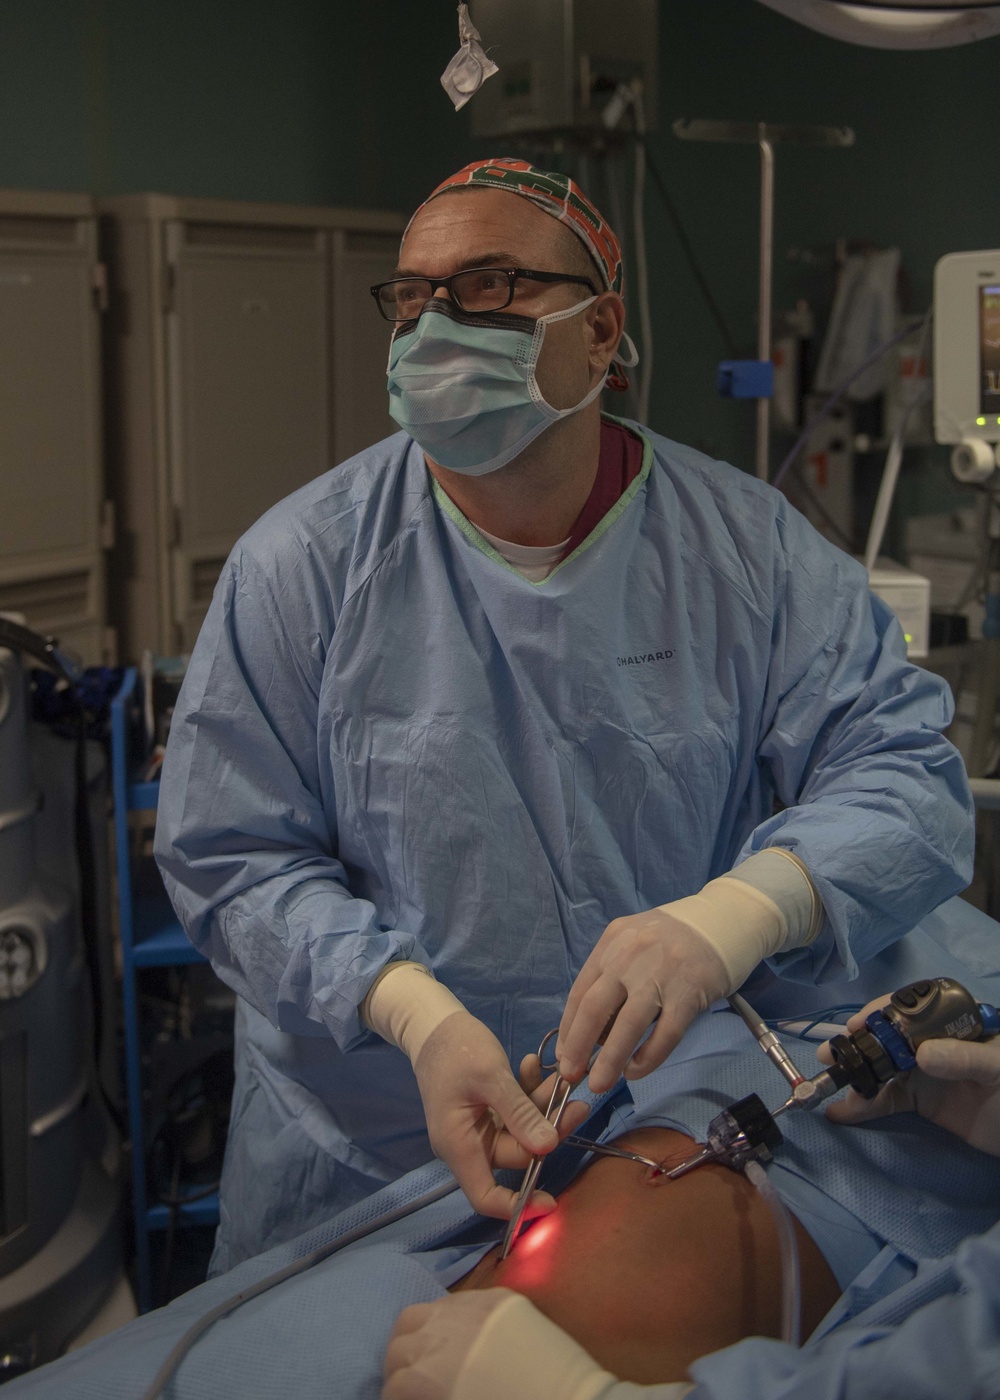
[[478, 289]]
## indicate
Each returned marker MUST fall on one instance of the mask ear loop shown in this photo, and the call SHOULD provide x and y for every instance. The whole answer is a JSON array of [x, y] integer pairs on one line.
[[617, 379], [535, 350]]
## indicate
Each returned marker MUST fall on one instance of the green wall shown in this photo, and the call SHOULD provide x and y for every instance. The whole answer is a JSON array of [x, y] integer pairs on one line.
[[338, 102]]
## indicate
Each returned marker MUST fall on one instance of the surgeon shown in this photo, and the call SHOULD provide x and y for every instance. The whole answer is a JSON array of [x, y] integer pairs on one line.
[[525, 717]]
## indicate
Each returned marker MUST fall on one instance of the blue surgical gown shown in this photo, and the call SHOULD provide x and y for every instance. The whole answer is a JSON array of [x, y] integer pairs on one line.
[[391, 745]]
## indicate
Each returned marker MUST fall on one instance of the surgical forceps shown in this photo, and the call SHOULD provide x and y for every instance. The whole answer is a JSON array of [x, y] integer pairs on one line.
[[558, 1100]]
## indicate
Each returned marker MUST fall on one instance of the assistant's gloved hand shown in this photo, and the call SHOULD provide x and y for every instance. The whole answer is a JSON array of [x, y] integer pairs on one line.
[[478, 1115], [956, 1084], [495, 1345], [667, 965], [430, 1343]]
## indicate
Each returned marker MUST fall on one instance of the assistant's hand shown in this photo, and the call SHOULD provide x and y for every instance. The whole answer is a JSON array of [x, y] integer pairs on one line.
[[479, 1116], [956, 1084], [646, 967], [431, 1341]]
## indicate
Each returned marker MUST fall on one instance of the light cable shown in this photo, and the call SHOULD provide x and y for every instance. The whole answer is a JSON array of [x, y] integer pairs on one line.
[[194, 1333]]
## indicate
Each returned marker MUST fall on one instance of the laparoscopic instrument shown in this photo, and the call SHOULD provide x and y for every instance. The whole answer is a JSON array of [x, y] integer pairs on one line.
[[746, 1133], [558, 1099], [864, 1060]]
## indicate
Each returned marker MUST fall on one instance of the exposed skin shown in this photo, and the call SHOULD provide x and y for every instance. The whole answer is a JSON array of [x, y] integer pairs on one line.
[[536, 498], [649, 1274]]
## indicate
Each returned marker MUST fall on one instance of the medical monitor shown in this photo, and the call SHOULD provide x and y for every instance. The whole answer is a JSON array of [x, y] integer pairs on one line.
[[967, 348]]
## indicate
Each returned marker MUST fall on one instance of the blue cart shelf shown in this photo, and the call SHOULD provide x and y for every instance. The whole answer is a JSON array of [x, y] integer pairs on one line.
[[150, 937]]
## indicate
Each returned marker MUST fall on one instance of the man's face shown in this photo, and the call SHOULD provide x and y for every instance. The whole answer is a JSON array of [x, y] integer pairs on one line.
[[493, 228]]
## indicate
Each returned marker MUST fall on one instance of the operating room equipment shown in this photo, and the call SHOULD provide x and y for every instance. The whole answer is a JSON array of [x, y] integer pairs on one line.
[[791, 1269], [746, 1132], [603, 1149], [59, 1169], [967, 361], [558, 1099], [755, 378], [298, 1266], [563, 62], [865, 1060], [896, 24]]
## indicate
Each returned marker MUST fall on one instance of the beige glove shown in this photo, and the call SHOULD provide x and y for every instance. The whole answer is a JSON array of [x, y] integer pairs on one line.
[[669, 964], [495, 1345], [956, 1084], [469, 1093]]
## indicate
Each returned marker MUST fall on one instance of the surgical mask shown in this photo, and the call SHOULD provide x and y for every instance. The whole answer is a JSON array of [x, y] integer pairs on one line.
[[465, 388]]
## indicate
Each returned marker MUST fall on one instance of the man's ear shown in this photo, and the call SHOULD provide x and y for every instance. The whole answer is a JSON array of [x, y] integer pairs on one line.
[[607, 322]]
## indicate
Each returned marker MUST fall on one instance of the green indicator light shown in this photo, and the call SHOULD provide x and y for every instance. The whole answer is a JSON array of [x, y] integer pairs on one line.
[[907, 637], [998, 420], [980, 422]]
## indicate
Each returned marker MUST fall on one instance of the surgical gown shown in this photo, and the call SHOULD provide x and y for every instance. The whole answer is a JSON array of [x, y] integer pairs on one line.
[[390, 745]]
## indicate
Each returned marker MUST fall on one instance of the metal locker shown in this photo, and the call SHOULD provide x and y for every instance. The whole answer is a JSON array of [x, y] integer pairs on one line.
[[53, 524], [249, 382], [247, 357], [360, 339]]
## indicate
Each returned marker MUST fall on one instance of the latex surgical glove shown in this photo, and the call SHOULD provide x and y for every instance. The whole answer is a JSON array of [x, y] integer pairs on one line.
[[662, 968], [479, 1116], [430, 1343], [956, 1084], [495, 1345]]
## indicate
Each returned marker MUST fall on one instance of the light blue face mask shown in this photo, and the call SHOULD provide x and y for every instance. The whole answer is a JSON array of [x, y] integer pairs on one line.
[[464, 386]]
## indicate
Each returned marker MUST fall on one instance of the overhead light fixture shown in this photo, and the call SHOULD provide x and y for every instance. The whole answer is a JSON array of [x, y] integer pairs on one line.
[[887, 24]]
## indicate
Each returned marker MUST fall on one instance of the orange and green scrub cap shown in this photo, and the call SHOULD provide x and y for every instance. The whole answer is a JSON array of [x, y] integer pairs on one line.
[[554, 192]]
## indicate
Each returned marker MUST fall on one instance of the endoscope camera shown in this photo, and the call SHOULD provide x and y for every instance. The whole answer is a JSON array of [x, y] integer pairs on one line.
[[937, 1009]]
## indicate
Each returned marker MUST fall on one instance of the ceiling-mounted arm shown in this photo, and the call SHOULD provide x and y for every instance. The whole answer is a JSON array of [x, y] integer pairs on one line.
[[891, 24]]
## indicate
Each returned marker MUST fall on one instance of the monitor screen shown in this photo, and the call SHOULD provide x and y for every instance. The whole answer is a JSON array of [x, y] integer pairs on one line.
[[989, 351]]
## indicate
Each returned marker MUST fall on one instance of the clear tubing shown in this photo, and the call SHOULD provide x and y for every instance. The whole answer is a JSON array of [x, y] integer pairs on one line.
[[791, 1283]]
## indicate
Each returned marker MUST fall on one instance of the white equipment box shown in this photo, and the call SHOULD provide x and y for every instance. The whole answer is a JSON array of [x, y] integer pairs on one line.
[[967, 359], [909, 596]]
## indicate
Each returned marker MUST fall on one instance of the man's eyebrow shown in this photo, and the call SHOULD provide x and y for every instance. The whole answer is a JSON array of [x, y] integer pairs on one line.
[[478, 260]]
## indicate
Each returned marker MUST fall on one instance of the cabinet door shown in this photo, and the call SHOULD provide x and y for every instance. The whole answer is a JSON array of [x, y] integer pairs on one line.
[[51, 473], [360, 340], [248, 387]]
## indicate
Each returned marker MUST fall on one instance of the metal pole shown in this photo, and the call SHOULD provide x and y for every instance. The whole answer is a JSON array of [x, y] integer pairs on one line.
[[764, 310]]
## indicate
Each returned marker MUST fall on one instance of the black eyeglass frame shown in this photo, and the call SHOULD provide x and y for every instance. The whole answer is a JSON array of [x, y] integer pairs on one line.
[[511, 274]]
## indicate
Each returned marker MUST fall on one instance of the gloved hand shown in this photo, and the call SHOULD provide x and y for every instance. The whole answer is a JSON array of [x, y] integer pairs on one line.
[[495, 1345], [470, 1098], [667, 965], [956, 1084], [430, 1343], [478, 1115], [646, 967]]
